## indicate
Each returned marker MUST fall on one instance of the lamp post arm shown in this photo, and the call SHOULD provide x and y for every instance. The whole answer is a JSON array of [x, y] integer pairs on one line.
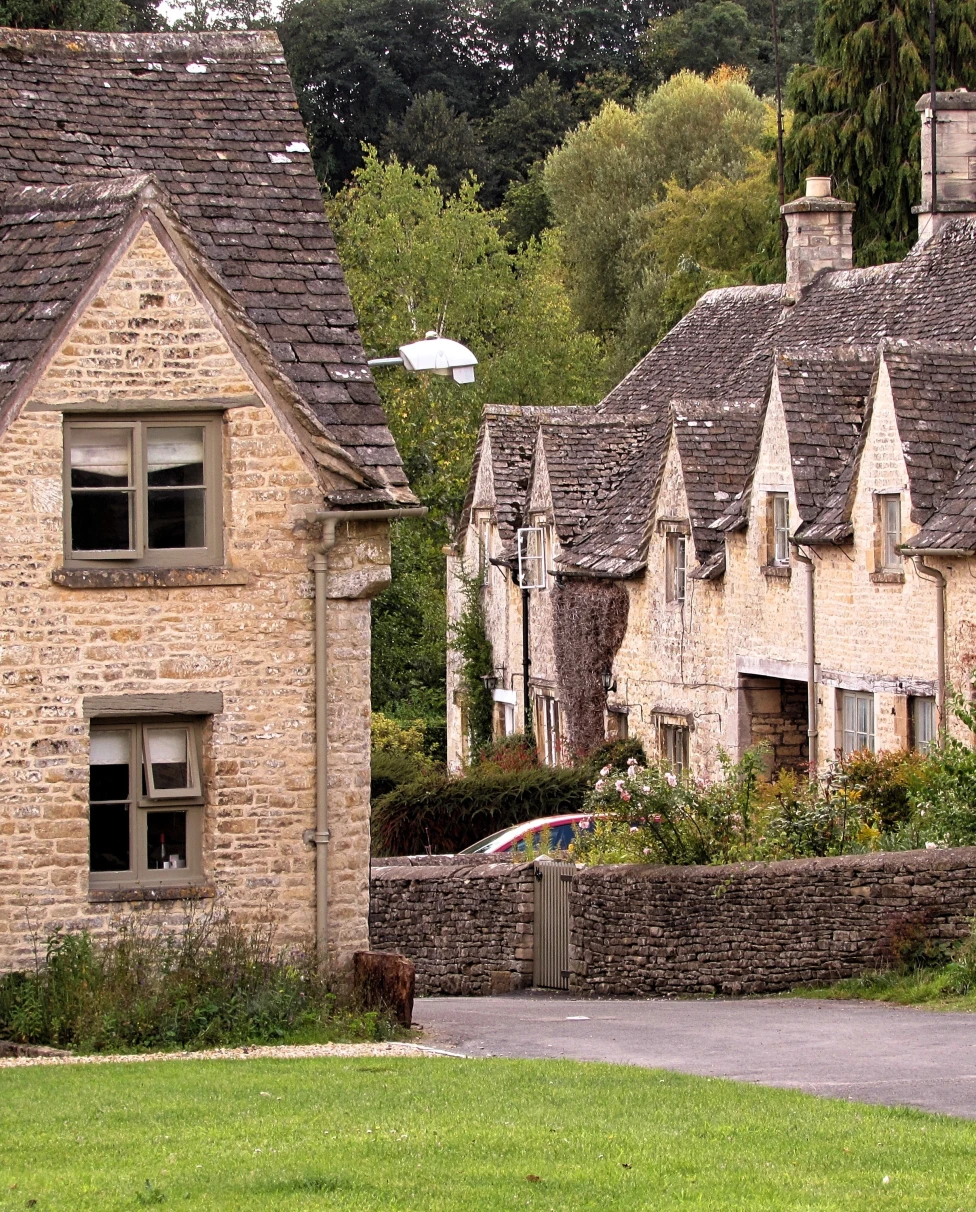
[[385, 362]]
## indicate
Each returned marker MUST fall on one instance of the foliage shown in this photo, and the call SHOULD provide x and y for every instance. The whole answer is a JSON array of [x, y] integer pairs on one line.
[[526, 128], [443, 814], [432, 133], [706, 34], [866, 802], [388, 735], [477, 660], [389, 770], [102, 16], [589, 619], [225, 15], [641, 194], [213, 982], [855, 113], [509, 754]]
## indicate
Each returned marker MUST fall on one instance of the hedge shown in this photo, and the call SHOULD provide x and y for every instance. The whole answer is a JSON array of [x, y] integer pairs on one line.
[[442, 815]]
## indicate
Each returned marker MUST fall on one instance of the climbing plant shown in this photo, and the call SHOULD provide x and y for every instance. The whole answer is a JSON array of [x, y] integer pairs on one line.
[[470, 641]]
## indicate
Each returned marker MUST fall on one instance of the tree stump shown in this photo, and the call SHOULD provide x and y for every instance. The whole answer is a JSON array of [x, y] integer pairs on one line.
[[384, 981]]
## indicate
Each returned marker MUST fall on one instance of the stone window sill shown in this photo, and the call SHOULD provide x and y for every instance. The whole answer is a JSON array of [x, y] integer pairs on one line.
[[887, 578], [173, 892], [146, 578], [777, 572]]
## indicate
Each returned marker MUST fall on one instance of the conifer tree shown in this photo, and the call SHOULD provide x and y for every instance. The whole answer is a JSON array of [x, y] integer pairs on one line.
[[854, 110]]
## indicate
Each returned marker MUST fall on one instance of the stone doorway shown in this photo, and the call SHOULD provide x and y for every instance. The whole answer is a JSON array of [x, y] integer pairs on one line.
[[774, 711]]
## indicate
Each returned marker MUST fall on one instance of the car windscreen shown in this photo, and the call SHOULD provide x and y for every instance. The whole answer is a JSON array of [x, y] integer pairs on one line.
[[482, 846]]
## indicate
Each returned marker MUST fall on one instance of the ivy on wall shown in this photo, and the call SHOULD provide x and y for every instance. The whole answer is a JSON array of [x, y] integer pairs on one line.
[[589, 622], [470, 641]]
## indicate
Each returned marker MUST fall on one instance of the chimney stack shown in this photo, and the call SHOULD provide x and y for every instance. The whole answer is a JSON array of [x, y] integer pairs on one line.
[[819, 234], [955, 160]]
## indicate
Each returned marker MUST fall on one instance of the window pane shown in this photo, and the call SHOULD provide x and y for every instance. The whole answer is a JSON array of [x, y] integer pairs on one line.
[[174, 463], [109, 837], [166, 840], [923, 712], [101, 458], [167, 753], [108, 775], [101, 490], [174, 456]]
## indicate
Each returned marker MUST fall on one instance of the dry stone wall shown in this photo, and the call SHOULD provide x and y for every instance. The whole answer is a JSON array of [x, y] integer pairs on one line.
[[467, 928], [759, 927]]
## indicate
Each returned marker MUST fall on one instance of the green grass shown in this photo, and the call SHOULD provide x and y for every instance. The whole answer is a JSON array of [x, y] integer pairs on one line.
[[930, 988], [422, 1135]]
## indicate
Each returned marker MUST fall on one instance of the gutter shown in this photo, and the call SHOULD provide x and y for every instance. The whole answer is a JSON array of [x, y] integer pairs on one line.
[[933, 574], [813, 732], [320, 834]]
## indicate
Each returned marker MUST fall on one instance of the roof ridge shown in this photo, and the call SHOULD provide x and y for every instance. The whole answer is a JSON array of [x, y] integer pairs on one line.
[[249, 44], [78, 193]]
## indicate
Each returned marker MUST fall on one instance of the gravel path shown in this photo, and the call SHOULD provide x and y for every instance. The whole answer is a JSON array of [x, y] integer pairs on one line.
[[278, 1052]]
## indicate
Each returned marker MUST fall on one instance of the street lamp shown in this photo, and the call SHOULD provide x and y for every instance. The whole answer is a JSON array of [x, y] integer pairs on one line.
[[608, 680], [434, 354], [490, 682]]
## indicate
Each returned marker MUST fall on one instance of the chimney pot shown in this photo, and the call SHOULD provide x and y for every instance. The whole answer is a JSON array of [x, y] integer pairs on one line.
[[818, 187], [955, 160]]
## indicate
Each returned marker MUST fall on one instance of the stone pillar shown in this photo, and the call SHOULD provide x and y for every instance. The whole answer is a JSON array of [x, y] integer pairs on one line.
[[955, 160], [819, 236]]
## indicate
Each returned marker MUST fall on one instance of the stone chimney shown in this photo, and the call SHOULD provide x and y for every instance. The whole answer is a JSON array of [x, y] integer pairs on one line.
[[819, 234], [955, 160]]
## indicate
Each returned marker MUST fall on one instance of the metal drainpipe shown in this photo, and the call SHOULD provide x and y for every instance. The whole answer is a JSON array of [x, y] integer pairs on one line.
[[933, 574], [813, 732], [320, 568]]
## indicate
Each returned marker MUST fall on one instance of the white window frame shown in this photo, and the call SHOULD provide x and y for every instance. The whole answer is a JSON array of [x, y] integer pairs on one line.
[[779, 522], [531, 547], [856, 710], [676, 564], [924, 721], [675, 745], [550, 737]]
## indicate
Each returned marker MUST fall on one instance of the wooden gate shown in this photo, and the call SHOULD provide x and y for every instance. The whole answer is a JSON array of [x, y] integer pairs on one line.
[[552, 883]]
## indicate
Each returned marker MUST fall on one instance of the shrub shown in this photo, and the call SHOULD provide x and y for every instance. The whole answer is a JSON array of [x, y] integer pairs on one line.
[[391, 770], [441, 814], [213, 982], [510, 753]]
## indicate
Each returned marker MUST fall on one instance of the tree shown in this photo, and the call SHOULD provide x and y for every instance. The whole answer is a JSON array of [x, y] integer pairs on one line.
[[699, 38], [104, 16], [417, 260], [854, 111], [432, 134], [525, 129], [613, 171]]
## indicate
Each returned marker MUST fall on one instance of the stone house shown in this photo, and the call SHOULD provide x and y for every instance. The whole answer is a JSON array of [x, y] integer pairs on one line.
[[196, 483], [767, 530]]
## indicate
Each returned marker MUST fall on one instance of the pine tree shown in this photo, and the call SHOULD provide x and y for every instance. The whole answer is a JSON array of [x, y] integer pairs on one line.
[[854, 110]]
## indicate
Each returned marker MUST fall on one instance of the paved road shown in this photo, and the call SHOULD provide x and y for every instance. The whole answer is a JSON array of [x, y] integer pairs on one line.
[[856, 1050]]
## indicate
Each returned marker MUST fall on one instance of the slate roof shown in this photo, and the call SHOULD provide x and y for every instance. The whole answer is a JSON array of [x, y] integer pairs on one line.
[[214, 120]]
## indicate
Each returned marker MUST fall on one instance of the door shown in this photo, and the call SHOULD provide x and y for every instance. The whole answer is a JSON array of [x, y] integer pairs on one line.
[[552, 884]]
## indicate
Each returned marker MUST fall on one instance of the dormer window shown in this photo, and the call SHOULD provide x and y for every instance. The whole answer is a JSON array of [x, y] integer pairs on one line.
[[676, 562], [143, 490], [888, 509], [778, 521]]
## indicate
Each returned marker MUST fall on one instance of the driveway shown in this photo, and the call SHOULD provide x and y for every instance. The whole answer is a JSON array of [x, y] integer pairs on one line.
[[855, 1050]]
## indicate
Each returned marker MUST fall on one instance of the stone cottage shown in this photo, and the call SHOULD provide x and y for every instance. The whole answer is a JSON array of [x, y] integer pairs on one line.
[[766, 531], [196, 483]]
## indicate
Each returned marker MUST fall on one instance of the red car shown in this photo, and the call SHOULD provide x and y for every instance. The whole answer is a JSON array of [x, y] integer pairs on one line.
[[561, 832]]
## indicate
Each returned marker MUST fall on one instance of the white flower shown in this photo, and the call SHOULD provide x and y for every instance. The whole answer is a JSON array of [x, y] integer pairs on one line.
[[931, 845], [605, 771], [646, 789], [598, 785], [633, 829], [619, 784], [670, 779], [632, 761], [886, 1179]]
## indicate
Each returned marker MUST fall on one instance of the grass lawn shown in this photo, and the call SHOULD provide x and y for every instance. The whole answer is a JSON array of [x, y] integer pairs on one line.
[[430, 1134]]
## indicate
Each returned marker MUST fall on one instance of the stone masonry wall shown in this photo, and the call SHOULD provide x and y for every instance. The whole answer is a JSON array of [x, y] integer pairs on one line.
[[145, 335], [468, 929], [758, 927]]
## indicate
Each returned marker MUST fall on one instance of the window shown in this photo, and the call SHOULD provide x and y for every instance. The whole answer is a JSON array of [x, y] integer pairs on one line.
[[531, 548], [144, 490], [145, 802], [676, 562], [857, 721], [674, 747], [550, 743], [617, 729], [923, 723], [484, 549], [779, 529], [889, 531]]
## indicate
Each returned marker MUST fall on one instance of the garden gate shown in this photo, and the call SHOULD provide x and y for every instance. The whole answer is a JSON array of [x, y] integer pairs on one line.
[[552, 883]]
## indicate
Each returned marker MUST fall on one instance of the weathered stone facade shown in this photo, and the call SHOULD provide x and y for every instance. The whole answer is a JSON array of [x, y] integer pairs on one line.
[[774, 426], [466, 927], [139, 324]]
